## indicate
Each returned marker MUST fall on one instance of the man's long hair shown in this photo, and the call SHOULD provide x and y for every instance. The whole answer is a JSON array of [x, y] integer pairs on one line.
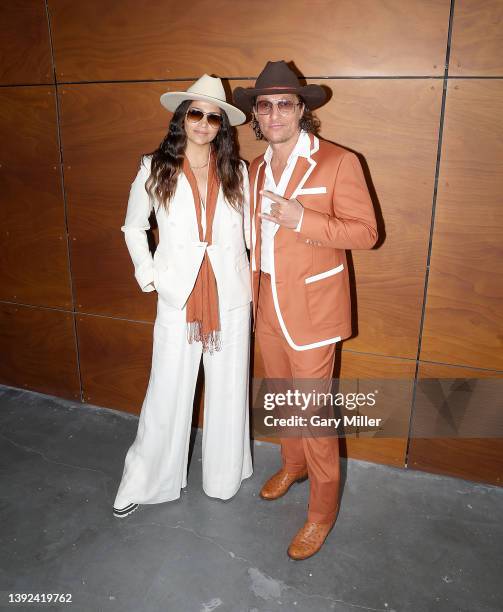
[[309, 122], [167, 161]]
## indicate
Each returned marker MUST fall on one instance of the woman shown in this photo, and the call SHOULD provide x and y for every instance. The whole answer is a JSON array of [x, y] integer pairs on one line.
[[198, 189]]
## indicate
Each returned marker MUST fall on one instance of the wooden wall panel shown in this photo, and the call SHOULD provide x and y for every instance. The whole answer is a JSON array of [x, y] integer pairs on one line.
[[96, 209], [38, 350], [149, 41], [105, 128], [477, 38], [115, 360], [24, 43], [115, 363], [479, 459], [390, 451], [28, 126], [34, 263], [464, 308], [393, 126]]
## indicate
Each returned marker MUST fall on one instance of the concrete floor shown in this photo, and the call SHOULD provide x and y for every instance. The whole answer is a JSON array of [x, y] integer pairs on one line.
[[403, 541]]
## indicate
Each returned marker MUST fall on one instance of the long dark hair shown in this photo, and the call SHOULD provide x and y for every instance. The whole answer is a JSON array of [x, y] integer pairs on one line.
[[309, 122], [167, 161]]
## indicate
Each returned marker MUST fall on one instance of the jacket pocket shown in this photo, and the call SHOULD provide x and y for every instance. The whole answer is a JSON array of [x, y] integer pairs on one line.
[[311, 190], [325, 294], [322, 275]]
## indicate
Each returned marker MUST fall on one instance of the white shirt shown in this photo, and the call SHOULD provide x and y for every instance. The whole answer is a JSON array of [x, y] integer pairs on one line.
[[302, 149]]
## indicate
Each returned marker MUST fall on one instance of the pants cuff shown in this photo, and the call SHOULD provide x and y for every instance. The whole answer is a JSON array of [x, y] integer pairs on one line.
[[321, 517], [294, 468]]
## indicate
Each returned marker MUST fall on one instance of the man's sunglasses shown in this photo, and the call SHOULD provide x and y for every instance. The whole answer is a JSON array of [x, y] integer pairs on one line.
[[194, 115], [285, 107]]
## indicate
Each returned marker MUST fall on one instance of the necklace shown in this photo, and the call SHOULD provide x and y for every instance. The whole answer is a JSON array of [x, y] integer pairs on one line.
[[203, 166], [198, 167], [203, 203]]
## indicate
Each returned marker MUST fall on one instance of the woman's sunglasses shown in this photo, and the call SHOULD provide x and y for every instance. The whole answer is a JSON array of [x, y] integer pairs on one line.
[[194, 115]]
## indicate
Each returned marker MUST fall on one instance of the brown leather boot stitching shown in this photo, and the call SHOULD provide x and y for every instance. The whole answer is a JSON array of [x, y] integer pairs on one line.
[[279, 484], [308, 540]]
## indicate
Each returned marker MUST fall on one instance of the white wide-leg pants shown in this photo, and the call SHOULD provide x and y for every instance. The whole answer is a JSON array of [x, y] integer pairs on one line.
[[155, 468]]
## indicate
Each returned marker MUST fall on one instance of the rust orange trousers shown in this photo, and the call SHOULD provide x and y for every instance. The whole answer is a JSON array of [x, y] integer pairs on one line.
[[320, 455]]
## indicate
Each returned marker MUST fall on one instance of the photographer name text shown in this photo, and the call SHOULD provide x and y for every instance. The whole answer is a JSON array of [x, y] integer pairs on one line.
[[317, 421]]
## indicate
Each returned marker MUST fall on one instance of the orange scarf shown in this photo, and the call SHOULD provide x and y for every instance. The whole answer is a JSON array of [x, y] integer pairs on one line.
[[202, 318]]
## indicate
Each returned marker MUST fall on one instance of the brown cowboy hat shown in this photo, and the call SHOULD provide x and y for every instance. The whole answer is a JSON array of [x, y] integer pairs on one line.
[[278, 77]]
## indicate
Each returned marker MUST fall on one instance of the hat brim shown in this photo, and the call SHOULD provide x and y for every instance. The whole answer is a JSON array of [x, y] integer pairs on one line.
[[172, 99], [313, 95]]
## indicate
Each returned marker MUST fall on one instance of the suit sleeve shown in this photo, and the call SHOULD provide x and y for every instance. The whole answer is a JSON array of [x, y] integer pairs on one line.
[[246, 205], [138, 212], [352, 224]]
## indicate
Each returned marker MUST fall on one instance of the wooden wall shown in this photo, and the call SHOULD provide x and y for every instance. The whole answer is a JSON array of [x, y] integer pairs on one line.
[[417, 89]]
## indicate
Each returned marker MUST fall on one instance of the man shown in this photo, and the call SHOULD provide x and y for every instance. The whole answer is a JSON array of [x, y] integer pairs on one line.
[[309, 203]]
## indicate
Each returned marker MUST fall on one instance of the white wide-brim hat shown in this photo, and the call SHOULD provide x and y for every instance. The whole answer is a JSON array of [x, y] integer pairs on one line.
[[209, 89]]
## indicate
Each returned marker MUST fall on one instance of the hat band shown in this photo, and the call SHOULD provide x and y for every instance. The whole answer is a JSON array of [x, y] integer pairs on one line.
[[283, 87]]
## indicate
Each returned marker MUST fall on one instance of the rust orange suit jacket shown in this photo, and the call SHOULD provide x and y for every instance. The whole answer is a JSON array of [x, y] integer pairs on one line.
[[310, 283]]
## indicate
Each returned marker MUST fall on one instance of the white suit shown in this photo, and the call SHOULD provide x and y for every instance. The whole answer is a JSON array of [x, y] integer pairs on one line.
[[155, 467]]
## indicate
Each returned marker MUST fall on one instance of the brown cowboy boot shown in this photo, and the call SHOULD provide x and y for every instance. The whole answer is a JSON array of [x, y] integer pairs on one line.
[[308, 540], [280, 482]]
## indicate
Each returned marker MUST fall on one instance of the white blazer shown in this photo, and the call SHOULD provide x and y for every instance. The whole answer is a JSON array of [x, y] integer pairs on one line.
[[173, 269]]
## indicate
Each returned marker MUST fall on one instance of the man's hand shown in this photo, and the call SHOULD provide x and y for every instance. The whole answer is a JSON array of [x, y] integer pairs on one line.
[[283, 212]]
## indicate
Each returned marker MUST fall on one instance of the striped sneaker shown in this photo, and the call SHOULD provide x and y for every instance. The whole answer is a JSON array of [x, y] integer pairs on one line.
[[123, 512]]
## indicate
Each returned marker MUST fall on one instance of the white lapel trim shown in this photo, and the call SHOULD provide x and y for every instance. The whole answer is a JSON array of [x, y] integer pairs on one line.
[[254, 229], [297, 347], [302, 182]]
